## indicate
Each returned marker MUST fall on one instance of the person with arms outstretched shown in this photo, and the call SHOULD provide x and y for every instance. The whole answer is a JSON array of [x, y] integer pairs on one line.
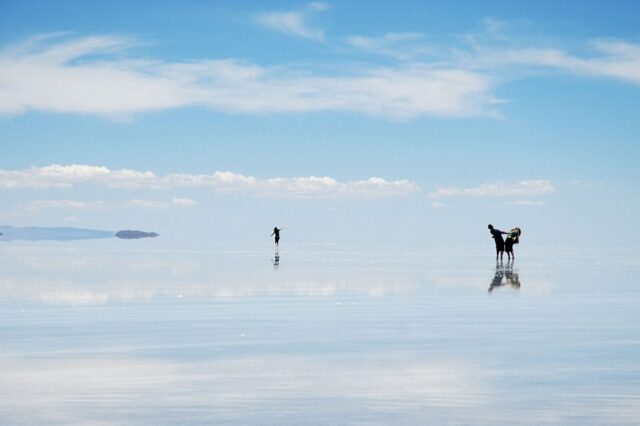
[[496, 234], [276, 232]]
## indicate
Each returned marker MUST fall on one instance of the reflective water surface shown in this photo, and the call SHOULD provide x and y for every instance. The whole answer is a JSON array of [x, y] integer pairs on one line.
[[113, 332]]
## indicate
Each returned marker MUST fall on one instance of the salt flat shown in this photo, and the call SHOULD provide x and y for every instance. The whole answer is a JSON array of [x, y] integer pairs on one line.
[[109, 332]]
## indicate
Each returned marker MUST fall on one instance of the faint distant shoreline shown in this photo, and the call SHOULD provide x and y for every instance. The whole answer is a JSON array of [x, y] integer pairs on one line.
[[37, 233]]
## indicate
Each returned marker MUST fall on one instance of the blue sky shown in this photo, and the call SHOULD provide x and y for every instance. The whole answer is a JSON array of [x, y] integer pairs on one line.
[[405, 123]]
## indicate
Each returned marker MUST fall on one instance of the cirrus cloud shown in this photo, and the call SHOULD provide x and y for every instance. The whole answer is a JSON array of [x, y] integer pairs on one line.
[[616, 59], [403, 46], [66, 76], [99, 75], [294, 22]]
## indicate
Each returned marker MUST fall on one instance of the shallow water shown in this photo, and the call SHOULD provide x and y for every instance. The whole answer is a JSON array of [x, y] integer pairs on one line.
[[115, 332]]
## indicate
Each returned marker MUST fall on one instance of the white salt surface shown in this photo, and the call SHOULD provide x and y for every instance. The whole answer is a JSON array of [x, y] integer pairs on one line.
[[112, 333]]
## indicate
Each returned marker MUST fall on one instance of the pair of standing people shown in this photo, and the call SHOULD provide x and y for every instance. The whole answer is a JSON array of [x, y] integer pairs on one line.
[[513, 237]]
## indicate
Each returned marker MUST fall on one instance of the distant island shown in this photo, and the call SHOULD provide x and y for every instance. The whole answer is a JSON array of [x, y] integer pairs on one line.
[[36, 233], [134, 235]]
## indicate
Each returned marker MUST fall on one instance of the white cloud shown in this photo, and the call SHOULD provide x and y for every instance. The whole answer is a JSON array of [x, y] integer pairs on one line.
[[397, 45], [46, 78], [50, 176], [38, 205], [586, 184], [318, 6], [619, 60], [65, 176], [526, 203], [437, 204], [186, 202], [498, 189], [147, 204], [294, 22], [91, 75], [57, 76]]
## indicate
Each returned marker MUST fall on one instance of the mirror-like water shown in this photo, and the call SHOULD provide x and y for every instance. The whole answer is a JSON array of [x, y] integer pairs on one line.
[[120, 333]]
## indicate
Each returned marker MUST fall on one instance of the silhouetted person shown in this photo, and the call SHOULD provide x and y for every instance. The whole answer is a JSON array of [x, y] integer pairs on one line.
[[512, 238], [276, 232], [497, 236]]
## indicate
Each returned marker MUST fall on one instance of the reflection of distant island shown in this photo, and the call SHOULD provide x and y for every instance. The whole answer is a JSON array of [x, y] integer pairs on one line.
[[134, 235], [36, 233]]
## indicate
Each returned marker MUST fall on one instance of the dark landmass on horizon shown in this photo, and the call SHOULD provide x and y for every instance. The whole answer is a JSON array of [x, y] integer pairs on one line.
[[134, 235], [37, 233]]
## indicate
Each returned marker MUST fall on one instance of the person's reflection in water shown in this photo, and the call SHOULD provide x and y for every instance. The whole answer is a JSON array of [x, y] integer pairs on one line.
[[512, 279], [276, 259], [497, 279]]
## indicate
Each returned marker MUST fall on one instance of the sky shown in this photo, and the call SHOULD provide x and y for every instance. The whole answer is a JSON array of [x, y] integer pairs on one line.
[[411, 123]]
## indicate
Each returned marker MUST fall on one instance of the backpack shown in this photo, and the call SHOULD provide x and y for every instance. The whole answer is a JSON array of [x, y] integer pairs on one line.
[[514, 234]]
